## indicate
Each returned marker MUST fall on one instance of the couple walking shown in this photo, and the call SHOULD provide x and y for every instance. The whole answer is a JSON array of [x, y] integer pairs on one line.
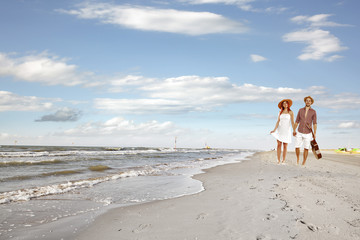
[[285, 127]]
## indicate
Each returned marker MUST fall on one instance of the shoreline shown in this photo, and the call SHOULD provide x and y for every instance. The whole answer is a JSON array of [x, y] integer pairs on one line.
[[252, 199], [63, 216]]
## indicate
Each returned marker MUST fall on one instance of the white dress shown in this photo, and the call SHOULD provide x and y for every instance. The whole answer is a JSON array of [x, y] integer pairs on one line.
[[283, 132]]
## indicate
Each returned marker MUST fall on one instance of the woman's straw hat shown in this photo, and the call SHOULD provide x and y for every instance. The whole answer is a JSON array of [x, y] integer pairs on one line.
[[312, 100], [287, 100]]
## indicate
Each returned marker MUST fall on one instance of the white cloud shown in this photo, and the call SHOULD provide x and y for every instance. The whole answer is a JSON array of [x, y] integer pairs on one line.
[[319, 20], [12, 102], [143, 106], [162, 20], [230, 2], [196, 94], [122, 127], [257, 58], [121, 84], [351, 124], [242, 4], [340, 101], [214, 91], [245, 5], [201, 94], [62, 115], [42, 68], [320, 44], [277, 10], [333, 58], [4, 135]]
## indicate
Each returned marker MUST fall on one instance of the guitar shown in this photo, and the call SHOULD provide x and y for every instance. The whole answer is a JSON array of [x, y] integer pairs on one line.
[[314, 145]]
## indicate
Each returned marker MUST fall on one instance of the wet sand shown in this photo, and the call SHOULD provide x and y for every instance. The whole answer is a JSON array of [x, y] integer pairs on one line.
[[254, 199]]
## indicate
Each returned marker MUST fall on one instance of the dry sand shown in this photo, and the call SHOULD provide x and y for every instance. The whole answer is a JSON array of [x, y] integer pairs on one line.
[[254, 199]]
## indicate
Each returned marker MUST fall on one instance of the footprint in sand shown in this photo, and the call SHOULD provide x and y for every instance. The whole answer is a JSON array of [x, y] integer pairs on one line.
[[201, 216], [356, 208], [310, 226], [141, 228], [270, 216], [262, 237], [320, 202], [333, 229], [355, 223]]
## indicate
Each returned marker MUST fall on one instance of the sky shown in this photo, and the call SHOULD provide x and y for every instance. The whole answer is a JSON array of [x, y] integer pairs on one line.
[[201, 72]]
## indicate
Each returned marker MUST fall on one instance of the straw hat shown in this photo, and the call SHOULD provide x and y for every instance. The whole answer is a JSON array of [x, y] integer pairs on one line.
[[287, 100], [312, 100]]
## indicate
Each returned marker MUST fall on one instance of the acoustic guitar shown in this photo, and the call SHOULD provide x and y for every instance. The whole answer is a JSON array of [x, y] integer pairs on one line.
[[314, 146]]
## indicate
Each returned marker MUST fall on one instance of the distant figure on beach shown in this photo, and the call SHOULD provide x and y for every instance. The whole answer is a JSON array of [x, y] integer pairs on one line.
[[282, 130], [305, 118]]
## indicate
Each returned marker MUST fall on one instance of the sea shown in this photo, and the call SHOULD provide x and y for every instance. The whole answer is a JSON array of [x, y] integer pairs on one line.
[[52, 191]]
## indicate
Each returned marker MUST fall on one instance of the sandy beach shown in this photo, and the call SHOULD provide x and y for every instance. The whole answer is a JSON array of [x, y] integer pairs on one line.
[[253, 199]]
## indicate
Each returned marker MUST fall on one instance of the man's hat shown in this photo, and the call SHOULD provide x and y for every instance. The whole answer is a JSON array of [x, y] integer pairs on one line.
[[285, 100], [312, 100]]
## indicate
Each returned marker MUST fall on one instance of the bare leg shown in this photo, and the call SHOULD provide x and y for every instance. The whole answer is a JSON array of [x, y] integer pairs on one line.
[[278, 150], [306, 151], [297, 150], [284, 151]]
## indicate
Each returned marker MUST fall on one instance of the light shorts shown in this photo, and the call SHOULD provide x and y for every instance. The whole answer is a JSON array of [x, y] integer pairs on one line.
[[303, 139]]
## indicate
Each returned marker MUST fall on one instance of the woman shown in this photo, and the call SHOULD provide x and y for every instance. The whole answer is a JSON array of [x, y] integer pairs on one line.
[[282, 131]]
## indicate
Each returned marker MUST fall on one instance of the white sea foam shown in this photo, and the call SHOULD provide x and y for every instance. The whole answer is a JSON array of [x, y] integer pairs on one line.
[[105, 201], [29, 193]]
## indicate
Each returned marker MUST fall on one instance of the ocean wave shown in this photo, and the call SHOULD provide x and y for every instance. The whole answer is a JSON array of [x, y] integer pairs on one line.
[[33, 154], [47, 174], [36, 153], [144, 170], [27, 163], [35, 192]]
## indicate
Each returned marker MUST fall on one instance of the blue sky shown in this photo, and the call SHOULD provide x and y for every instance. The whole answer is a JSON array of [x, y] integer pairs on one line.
[[140, 73]]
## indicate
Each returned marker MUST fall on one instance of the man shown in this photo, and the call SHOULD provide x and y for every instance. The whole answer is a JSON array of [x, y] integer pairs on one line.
[[306, 119]]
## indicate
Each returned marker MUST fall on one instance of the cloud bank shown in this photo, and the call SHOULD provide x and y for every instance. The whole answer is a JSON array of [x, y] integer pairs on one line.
[[119, 126], [195, 94]]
